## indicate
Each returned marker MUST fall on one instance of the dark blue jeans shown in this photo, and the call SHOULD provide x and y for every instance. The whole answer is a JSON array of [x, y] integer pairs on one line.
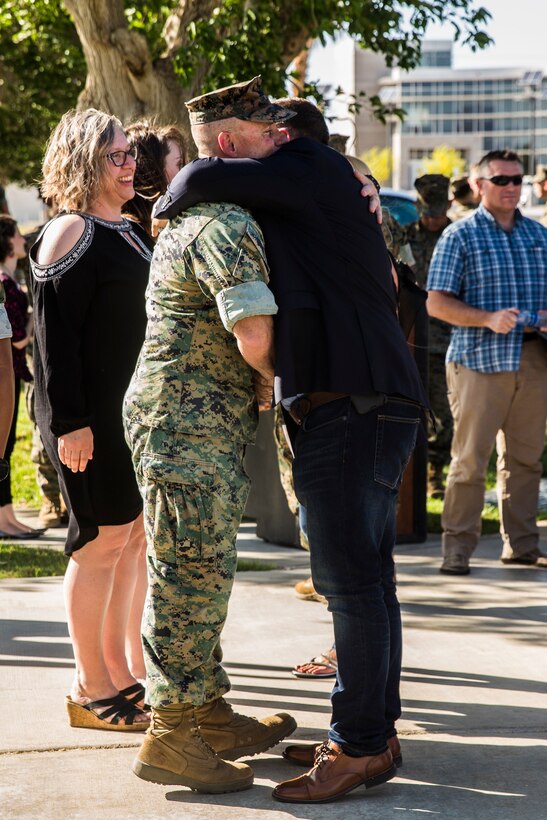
[[347, 472]]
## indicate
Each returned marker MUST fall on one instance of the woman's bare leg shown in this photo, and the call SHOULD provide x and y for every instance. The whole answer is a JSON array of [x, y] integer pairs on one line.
[[118, 622], [133, 640], [88, 588]]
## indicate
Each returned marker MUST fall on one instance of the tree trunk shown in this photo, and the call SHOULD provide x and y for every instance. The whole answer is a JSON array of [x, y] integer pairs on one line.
[[122, 79], [300, 65]]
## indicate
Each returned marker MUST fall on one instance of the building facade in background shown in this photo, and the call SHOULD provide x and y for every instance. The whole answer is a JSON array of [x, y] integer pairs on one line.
[[471, 110]]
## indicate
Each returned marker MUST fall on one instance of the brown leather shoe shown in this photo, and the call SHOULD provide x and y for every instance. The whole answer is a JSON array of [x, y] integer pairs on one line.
[[335, 774], [304, 754]]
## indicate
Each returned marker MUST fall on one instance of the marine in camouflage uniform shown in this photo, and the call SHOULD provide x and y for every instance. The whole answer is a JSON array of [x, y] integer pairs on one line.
[[422, 236], [189, 413], [465, 201]]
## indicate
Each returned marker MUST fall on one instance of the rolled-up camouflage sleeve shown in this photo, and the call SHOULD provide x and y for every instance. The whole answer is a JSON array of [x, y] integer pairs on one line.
[[242, 301], [234, 268]]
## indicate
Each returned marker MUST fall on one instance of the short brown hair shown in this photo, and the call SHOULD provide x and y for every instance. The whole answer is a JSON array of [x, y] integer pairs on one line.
[[308, 122], [504, 156]]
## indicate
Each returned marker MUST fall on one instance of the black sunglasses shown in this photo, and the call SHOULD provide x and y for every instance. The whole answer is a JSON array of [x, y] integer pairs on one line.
[[119, 158], [503, 180]]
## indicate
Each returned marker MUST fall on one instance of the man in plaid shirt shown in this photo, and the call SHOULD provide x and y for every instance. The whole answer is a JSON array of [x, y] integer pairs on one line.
[[485, 271]]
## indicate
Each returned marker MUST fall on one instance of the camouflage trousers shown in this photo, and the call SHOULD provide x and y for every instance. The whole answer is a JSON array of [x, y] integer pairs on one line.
[[194, 491], [440, 441], [285, 461]]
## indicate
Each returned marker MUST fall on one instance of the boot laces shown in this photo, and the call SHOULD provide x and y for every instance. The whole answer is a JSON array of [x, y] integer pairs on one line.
[[200, 741], [322, 754]]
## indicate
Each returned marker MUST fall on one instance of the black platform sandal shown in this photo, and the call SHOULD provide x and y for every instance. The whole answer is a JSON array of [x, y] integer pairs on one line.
[[83, 716], [134, 694]]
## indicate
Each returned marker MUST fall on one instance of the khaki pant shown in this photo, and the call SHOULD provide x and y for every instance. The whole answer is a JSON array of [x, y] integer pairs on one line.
[[507, 409]]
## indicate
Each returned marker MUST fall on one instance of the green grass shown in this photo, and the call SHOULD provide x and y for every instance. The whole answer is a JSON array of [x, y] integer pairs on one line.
[[23, 472], [253, 565], [17, 561]]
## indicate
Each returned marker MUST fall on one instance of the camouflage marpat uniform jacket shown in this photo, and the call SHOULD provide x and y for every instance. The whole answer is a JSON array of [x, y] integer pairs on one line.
[[422, 244], [208, 272]]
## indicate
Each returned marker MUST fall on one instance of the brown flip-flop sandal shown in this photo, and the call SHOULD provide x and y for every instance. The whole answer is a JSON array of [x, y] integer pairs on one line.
[[327, 663]]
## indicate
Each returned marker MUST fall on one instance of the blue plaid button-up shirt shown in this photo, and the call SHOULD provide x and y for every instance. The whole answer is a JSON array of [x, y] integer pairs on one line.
[[491, 269]]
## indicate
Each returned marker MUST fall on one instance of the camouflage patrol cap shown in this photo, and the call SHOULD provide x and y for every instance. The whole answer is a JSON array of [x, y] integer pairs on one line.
[[432, 191], [541, 173], [461, 187], [244, 101]]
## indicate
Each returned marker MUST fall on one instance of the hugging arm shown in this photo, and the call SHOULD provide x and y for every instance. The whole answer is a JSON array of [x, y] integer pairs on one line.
[[246, 182]]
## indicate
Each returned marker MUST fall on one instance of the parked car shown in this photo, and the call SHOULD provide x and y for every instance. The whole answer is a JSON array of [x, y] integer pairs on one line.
[[401, 204]]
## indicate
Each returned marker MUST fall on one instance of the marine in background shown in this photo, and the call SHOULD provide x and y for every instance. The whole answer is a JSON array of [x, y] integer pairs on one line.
[[422, 236]]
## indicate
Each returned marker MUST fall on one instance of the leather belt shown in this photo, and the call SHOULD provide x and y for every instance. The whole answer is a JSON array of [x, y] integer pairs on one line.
[[303, 406]]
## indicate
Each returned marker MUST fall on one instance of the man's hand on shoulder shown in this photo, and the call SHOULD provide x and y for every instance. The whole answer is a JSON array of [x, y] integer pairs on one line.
[[369, 189]]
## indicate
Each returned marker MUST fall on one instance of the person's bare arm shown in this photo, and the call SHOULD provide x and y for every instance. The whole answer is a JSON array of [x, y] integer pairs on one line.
[[443, 305], [76, 447], [254, 336], [6, 392]]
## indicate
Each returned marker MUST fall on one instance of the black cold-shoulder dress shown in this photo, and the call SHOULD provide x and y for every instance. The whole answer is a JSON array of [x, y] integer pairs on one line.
[[90, 321]]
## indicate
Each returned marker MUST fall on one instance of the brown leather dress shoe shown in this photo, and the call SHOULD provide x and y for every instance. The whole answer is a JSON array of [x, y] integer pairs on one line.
[[303, 754], [335, 774]]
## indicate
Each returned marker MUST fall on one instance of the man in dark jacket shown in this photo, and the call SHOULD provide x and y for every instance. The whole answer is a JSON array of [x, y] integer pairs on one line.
[[344, 372]]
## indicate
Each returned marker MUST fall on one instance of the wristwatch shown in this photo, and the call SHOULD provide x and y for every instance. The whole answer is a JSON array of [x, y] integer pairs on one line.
[[374, 182], [4, 468]]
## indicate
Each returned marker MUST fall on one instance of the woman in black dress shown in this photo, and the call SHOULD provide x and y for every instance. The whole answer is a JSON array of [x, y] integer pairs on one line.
[[90, 270]]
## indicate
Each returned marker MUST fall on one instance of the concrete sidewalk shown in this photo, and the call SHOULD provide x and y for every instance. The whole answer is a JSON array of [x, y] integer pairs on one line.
[[474, 726]]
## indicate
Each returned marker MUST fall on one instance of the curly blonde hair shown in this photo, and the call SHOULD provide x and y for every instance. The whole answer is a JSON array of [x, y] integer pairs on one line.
[[74, 163]]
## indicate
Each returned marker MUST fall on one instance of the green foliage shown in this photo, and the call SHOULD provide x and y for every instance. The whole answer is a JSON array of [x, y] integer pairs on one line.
[[42, 69], [444, 160], [17, 561]]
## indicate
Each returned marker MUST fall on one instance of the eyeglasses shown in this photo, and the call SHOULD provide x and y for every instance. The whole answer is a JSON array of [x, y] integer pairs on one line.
[[503, 180], [119, 158]]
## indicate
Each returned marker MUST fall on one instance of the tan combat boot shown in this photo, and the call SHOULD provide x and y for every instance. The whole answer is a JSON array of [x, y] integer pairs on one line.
[[174, 754], [49, 515], [232, 735]]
